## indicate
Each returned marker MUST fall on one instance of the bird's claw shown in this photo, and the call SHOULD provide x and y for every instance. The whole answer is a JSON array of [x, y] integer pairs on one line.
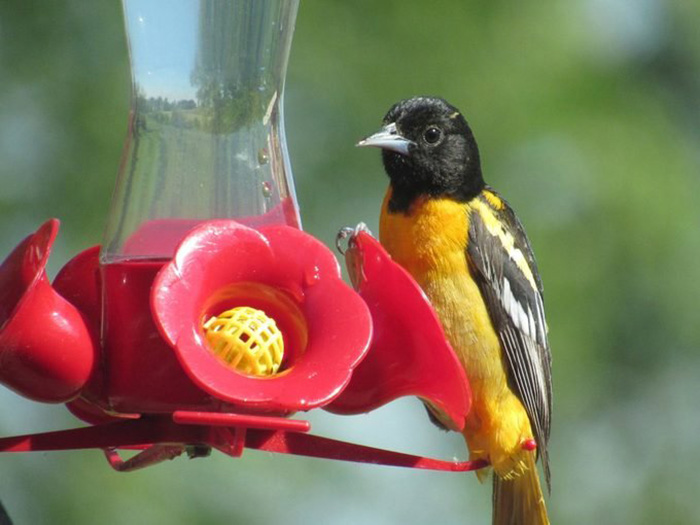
[[348, 233]]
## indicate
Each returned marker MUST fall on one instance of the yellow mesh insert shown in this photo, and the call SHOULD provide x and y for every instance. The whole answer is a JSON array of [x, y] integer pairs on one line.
[[247, 339]]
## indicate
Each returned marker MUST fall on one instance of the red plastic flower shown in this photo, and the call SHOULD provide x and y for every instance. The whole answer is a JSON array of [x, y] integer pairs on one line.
[[289, 275], [46, 349]]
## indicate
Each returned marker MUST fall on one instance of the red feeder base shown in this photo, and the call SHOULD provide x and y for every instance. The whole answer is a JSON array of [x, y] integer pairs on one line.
[[162, 438]]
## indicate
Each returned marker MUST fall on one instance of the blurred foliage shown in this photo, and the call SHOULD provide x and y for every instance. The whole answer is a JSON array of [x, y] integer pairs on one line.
[[588, 117]]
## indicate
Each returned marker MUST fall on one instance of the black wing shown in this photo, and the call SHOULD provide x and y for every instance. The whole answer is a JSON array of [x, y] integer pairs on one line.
[[504, 268]]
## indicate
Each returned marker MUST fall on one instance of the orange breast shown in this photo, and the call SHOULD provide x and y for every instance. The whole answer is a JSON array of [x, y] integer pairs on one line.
[[430, 241]]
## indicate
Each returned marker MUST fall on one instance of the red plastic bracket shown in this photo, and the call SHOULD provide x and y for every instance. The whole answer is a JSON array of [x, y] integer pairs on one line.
[[165, 437]]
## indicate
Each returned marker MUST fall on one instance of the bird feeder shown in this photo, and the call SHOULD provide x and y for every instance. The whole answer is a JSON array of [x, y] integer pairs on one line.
[[208, 318]]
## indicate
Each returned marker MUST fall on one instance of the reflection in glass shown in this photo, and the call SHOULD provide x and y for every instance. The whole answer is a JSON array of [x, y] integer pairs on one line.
[[206, 134]]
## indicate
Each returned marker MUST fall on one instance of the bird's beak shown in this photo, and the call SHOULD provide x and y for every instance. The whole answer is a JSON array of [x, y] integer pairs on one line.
[[388, 138]]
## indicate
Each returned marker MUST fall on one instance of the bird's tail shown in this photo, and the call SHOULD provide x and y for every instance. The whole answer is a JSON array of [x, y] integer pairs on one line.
[[519, 500]]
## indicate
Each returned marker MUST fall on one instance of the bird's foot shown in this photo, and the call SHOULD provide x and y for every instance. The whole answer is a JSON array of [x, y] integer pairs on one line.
[[348, 234]]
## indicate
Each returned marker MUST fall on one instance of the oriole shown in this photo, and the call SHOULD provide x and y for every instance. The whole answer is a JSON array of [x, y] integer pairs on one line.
[[466, 248]]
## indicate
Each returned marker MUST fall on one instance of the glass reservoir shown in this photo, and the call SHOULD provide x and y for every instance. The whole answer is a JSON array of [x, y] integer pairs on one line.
[[206, 133], [205, 141]]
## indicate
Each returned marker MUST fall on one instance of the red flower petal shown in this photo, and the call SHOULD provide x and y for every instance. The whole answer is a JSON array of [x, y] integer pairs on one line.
[[46, 350], [409, 354]]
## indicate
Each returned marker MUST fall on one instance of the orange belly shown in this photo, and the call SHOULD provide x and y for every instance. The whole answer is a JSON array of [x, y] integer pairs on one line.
[[430, 242]]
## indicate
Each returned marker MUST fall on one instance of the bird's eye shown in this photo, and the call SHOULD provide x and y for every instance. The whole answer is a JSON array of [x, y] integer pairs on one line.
[[432, 135]]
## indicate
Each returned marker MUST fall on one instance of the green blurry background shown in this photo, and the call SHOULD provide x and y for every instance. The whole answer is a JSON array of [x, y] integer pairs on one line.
[[588, 117]]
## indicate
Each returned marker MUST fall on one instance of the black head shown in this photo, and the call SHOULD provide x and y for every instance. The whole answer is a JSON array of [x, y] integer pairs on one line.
[[428, 149]]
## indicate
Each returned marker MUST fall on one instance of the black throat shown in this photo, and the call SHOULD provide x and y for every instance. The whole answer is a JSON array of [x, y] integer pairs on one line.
[[403, 195]]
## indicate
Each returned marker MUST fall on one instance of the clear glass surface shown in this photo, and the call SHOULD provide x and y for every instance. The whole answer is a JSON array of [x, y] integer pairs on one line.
[[206, 133]]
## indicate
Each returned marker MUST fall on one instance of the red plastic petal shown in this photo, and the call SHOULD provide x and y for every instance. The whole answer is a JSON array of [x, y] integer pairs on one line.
[[409, 354], [79, 283], [46, 350]]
